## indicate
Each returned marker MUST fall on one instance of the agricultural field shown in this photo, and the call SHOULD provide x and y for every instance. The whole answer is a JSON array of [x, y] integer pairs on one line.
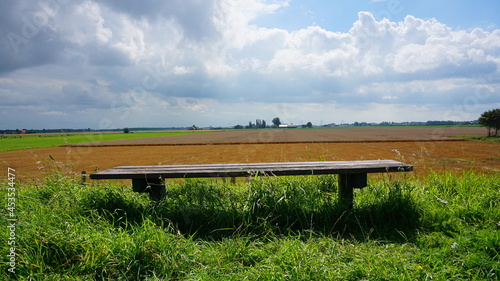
[[424, 147], [342, 134], [440, 222], [30, 141]]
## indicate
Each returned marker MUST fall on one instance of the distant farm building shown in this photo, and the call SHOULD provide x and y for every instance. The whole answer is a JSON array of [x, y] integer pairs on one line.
[[288, 126]]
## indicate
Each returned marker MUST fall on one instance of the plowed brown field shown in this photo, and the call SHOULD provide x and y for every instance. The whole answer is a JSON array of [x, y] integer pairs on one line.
[[346, 134], [425, 148]]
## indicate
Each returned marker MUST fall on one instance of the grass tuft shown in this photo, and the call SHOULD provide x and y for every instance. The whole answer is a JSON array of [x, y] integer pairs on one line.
[[443, 227]]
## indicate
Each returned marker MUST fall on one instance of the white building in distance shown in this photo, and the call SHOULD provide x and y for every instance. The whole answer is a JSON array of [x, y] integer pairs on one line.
[[287, 126]]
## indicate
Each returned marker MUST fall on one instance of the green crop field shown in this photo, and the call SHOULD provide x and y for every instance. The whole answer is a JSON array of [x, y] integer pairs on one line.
[[438, 227], [18, 142]]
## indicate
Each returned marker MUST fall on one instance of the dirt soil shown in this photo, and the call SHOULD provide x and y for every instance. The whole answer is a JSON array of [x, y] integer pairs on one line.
[[455, 156]]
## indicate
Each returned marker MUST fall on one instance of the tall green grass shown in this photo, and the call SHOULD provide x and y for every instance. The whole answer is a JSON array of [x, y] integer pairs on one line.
[[440, 227], [481, 138], [18, 142]]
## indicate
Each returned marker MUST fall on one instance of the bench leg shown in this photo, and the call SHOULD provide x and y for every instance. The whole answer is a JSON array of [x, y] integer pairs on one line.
[[347, 183], [155, 187]]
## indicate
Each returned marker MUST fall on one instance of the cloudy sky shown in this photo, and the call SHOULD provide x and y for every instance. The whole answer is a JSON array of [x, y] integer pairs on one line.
[[111, 64]]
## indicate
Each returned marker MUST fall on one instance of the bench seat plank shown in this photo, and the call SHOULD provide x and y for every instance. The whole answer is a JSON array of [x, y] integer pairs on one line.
[[248, 169]]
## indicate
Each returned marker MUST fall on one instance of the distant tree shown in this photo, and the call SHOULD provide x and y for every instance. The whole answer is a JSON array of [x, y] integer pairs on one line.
[[250, 125], [259, 123], [126, 131], [309, 125], [491, 120], [276, 121], [239, 127]]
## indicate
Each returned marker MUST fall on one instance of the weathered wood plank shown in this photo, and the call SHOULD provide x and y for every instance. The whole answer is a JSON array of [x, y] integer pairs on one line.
[[247, 169]]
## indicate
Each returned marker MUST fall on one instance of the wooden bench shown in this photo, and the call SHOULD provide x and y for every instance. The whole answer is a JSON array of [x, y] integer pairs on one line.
[[352, 174]]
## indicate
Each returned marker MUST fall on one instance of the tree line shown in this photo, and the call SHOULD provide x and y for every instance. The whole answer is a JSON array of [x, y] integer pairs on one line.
[[262, 124]]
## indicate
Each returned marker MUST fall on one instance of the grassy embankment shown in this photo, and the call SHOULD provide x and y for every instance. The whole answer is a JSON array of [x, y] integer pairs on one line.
[[18, 142], [441, 227], [481, 138]]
